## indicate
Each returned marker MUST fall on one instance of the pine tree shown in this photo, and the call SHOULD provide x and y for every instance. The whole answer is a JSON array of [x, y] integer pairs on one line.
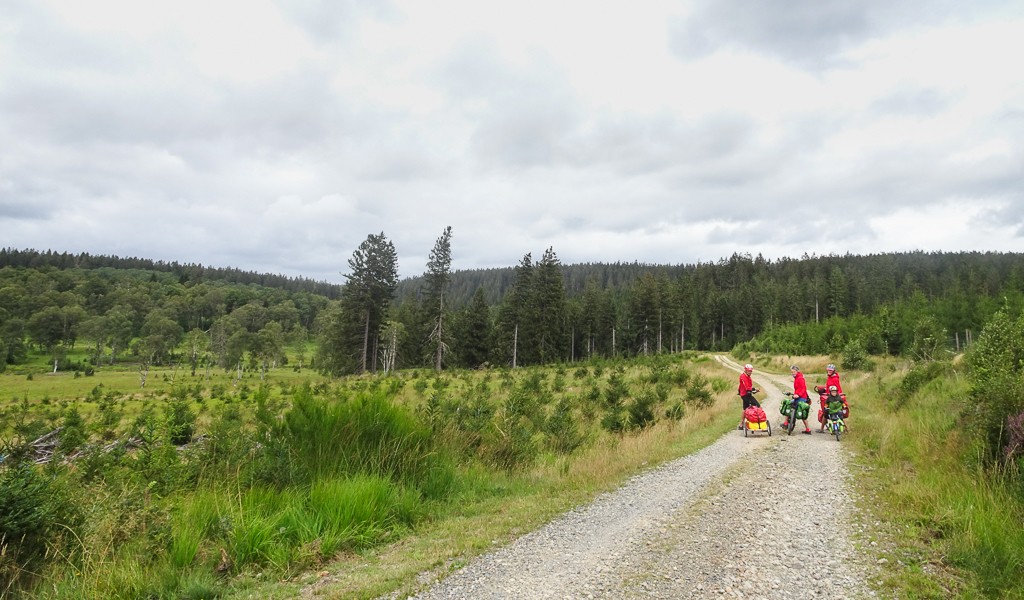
[[435, 283], [644, 306], [549, 309], [349, 341], [475, 331], [513, 341]]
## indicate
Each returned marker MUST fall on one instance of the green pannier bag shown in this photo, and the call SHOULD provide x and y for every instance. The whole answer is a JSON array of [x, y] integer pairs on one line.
[[802, 408]]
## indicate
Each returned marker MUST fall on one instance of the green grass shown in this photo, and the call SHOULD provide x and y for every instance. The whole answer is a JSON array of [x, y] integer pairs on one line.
[[345, 480], [954, 529], [492, 508]]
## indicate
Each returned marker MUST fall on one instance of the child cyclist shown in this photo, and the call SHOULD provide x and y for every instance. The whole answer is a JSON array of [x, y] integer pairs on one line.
[[835, 404], [799, 395]]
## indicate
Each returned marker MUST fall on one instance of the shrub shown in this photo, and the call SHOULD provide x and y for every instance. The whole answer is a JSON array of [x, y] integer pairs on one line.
[[641, 410], [617, 390], [36, 514], [676, 411], [72, 433], [614, 420], [997, 388], [698, 392], [914, 380], [181, 421], [855, 356], [563, 434], [509, 443]]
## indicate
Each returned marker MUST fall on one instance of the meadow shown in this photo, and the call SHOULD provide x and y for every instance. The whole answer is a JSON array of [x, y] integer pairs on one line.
[[208, 485], [946, 525]]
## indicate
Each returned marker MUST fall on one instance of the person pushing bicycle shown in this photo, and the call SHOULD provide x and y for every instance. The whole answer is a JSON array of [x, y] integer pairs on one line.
[[799, 395]]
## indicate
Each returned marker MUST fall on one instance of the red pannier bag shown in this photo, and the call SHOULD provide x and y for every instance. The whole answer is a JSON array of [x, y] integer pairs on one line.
[[755, 414]]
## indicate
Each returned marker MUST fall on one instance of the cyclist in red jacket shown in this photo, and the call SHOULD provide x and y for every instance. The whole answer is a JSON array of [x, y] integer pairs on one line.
[[799, 395], [831, 380], [747, 390]]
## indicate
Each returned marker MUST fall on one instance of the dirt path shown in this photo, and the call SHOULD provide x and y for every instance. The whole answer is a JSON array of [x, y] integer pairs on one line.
[[747, 517]]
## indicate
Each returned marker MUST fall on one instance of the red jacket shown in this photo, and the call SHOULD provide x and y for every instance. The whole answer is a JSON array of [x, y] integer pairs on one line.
[[833, 379], [799, 385], [746, 384]]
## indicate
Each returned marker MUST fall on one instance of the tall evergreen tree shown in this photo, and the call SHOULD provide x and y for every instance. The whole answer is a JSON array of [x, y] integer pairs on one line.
[[474, 331], [549, 309], [348, 344], [513, 341], [644, 307], [435, 285]]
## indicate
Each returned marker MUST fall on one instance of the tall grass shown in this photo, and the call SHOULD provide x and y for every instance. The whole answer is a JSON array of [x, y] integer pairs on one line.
[[959, 526], [367, 434], [283, 481]]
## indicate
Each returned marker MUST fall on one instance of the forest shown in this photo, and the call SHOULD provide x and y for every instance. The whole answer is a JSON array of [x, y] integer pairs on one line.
[[537, 312]]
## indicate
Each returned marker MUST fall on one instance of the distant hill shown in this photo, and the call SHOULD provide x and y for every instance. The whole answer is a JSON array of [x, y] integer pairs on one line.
[[183, 272]]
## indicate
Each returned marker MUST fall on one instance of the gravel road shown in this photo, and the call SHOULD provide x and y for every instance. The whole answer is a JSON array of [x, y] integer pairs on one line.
[[746, 517]]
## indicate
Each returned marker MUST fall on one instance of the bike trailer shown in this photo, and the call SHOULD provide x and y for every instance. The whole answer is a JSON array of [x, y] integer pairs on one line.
[[755, 420]]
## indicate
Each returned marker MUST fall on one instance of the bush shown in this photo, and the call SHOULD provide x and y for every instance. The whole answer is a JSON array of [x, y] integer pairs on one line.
[[641, 410], [561, 428], [914, 380], [36, 514], [181, 421], [617, 390], [997, 388], [855, 356], [698, 392]]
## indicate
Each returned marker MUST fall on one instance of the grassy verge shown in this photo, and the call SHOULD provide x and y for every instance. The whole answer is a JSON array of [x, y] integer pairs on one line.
[[446, 466], [499, 508], [951, 528]]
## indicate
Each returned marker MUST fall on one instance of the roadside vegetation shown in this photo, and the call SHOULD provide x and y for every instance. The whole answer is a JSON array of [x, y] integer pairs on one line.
[[940, 445], [198, 489]]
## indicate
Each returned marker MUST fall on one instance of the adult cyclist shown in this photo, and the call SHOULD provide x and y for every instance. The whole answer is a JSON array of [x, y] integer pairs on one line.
[[831, 381], [747, 390], [799, 395]]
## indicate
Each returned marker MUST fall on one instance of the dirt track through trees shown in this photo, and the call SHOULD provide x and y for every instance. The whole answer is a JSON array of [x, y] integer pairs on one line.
[[746, 517]]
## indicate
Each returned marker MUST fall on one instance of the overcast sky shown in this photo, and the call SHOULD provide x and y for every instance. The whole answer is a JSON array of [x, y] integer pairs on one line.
[[274, 136]]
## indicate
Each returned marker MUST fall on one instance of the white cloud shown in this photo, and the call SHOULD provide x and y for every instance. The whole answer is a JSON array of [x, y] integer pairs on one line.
[[274, 136]]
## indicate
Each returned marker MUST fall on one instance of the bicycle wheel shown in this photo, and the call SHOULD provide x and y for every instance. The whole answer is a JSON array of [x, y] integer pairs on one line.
[[835, 429], [792, 421]]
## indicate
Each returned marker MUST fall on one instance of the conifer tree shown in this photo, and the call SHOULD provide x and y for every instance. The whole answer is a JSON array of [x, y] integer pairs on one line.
[[435, 285], [549, 309], [350, 338], [475, 331], [513, 342]]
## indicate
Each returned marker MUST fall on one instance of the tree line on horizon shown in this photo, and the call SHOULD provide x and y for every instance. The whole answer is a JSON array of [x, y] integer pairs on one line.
[[537, 312]]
